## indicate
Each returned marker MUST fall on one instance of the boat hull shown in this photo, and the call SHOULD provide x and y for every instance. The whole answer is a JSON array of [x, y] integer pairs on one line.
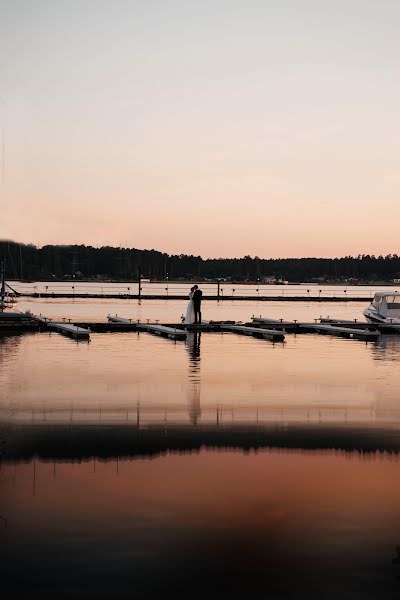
[[373, 316]]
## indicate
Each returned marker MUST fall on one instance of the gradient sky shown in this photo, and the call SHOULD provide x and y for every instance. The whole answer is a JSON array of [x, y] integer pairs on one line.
[[219, 128]]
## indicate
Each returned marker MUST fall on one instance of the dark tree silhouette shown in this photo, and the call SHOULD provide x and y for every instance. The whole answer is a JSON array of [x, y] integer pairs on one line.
[[25, 261]]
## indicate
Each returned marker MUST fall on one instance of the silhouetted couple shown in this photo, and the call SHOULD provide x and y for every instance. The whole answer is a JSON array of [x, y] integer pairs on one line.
[[193, 312]]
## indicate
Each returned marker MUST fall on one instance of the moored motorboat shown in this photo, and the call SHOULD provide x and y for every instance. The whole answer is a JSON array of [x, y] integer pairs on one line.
[[384, 308]]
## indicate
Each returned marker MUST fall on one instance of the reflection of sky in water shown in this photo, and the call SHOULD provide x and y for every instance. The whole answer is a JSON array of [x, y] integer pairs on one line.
[[319, 523], [306, 377], [387, 348], [217, 524], [193, 344]]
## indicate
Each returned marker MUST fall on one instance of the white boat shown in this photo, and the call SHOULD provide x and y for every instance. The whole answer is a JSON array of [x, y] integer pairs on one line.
[[384, 308]]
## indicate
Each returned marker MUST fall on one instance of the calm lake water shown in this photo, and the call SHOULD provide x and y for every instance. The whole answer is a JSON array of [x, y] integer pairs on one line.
[[138, 467], [172, 310]]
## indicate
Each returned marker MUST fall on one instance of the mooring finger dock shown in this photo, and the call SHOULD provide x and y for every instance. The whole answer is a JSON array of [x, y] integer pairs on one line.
[[172, 333], [348, 329], [270, 329], [269, 334], [69, 329], [180, 332]]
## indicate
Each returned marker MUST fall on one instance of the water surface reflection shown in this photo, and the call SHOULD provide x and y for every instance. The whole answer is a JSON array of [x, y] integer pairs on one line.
[[193, 341], [215, 524], [226, 467]]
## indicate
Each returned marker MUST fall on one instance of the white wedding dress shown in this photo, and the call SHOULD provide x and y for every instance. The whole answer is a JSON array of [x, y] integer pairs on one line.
[[189, 318]]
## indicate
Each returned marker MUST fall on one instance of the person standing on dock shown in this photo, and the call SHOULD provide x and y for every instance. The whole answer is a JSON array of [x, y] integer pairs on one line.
[[189, 318], [197, 295]]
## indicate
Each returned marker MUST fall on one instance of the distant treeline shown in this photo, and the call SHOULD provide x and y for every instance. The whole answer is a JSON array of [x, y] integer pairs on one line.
[[49, 262]]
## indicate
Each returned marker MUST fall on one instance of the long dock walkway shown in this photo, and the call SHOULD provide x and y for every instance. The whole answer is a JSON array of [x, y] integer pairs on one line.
[[214, 297], [268, 328], [180, 331]]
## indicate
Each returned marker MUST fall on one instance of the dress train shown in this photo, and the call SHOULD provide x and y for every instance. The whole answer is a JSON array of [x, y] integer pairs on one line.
[[189, 318]]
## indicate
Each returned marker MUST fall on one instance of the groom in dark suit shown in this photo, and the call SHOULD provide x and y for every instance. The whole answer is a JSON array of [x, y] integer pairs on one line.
[[197, 294]]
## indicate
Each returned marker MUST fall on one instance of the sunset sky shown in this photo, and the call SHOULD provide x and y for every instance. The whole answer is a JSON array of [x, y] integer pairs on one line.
[[219, 128]]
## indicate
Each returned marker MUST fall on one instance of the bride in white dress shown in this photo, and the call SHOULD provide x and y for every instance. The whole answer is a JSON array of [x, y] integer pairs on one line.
[[189, 318]]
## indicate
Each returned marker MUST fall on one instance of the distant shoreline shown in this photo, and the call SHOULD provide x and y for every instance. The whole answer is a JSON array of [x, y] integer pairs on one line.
[[28, 263], [209, 282]]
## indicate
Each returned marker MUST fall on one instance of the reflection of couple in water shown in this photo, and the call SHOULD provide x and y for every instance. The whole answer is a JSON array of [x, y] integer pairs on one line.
[[193, 311], [193, 346], [193, 315], [193, 341]]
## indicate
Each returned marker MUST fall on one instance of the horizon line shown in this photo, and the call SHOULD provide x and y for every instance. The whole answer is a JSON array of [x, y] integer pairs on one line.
[[211, 258]]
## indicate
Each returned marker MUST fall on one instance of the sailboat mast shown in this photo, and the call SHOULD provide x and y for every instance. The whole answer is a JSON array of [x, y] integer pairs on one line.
[[3, 282]]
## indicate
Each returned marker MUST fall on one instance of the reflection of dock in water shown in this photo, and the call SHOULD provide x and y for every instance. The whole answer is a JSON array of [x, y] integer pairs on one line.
[[68, 432], [222, 414], [76, 442]]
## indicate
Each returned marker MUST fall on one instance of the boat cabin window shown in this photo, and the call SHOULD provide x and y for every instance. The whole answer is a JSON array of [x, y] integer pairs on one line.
[[377, 300], [393, 302]]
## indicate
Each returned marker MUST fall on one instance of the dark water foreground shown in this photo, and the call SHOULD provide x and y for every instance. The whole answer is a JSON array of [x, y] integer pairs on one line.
[[135, 467], [113, 511], [77, 442]]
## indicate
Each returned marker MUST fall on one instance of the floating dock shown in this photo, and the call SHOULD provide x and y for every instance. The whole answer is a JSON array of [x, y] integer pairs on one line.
[[172, 333], [350, 332], [268, 328], [69, 329], [281, 296], [349, 329], [180, 331], [16, 321], [269, 334], [121, 320], [382, 327]]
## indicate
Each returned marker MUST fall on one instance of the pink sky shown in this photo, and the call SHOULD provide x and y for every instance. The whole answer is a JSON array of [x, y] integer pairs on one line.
[[223, 129]]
